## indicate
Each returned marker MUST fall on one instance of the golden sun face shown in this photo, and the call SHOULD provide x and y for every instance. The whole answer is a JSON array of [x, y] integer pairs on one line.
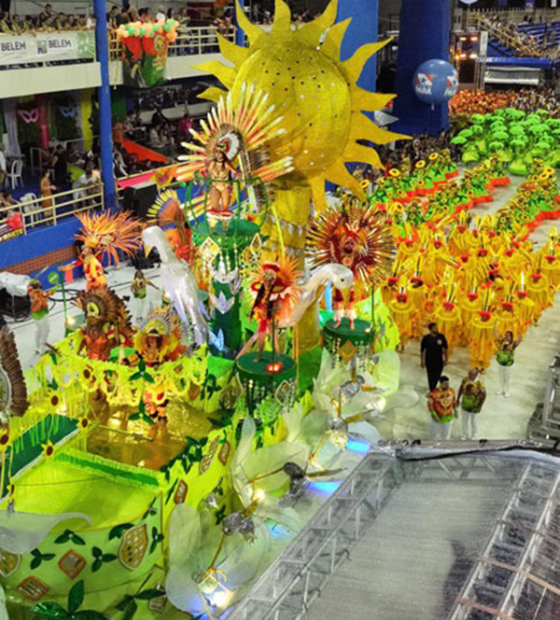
[[313, 90]]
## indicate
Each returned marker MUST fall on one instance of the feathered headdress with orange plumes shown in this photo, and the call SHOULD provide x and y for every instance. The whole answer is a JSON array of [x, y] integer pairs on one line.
[[108, 233], [286, 287], [355, 236], [237, 130]]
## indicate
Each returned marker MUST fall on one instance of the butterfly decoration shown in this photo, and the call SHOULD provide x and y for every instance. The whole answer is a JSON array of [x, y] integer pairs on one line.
[[235, 286], [217, 341], [67, 111], [222, 305], [29, 116], [222, 276]]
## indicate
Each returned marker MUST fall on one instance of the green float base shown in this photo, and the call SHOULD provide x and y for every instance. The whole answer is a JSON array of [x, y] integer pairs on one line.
[[259, 383], [347, 343]]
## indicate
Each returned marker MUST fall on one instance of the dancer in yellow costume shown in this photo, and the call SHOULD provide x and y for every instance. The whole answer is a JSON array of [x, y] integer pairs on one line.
[[482, 340], [525, 306], [447, 315], [538, 288], [470, 304], [404, 315]]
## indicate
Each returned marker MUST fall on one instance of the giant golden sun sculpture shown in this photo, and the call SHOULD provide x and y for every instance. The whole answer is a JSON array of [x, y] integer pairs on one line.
[[322, 106]]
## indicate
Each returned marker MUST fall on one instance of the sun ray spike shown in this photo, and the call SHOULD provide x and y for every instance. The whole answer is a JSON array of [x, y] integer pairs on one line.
[[253, 32], [358, 153], [212, 94], [235, 54], [314, 29], [317, 185], [333, 40], [339, 175], [368, 101], [365, 129], [225, 74], [282, 17], [355, 65]]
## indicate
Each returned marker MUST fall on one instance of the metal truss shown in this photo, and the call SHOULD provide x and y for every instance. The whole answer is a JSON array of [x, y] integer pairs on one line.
[[296, 578], [495, 585]]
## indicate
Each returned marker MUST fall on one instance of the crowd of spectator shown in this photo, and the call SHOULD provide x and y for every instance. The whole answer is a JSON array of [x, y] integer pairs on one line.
[[526, 42], [48, 20]]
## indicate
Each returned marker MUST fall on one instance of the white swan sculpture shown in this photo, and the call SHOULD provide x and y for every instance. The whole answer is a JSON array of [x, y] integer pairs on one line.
[[178, 283]]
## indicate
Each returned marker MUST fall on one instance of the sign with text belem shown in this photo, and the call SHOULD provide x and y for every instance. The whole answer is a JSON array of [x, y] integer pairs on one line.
[[46, 47]]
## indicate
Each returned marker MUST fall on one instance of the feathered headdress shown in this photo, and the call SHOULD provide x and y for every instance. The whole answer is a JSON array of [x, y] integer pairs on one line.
[[355, 236], [237, 130], [285, 287], [108, 233]]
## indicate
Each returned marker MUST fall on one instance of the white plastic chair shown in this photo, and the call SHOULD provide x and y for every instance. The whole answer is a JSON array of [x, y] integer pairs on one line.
[[31, 210], [15, 174]]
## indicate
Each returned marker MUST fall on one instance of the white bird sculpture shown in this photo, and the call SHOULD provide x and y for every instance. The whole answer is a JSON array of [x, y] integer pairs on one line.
[[178, 283], [339, 276]]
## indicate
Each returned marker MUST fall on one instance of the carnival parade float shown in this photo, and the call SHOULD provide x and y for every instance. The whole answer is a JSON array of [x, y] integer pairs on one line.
[[155, 465]]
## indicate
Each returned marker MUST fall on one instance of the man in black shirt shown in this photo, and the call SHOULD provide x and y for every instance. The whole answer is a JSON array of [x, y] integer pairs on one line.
[[433, 350]]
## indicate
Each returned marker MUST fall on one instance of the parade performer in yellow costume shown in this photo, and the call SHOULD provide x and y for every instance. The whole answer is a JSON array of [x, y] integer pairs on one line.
[[470, 304], [482, 340], [526, 307], [507, 315], [405, 316], [538, 288], [447, 315]]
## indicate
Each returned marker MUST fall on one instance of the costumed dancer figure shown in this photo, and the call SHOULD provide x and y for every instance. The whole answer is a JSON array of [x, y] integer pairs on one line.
[[447, 315], [107, 323], [442, 406], [357, 237], [404, 315], [471, 397], [159, 341], [505, 357], [140, 293], [276, 291], [40, 313], [482, 342], [538, 288], [344, 307], [551, 261], [221, 172], [507, 318], [526, 307], [471, 304], [105, 234], [169, 215]]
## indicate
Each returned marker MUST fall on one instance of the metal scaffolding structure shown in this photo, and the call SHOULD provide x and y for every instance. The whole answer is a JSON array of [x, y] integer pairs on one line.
[[296, 578], [499, 578], [503, 575]]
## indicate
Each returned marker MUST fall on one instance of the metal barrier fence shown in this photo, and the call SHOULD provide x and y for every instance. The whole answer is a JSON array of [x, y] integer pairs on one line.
[[49, 210], [510, 16], [190, 41]]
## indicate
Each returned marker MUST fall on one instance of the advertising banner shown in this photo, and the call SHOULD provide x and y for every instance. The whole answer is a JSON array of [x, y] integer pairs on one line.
[[46, 47]]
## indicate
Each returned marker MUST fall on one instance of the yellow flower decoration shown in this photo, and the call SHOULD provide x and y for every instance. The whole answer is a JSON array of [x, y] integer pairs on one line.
[[433, 156], [395, 172], [421, 164], [83, 423], [5, 441], [48, 449]]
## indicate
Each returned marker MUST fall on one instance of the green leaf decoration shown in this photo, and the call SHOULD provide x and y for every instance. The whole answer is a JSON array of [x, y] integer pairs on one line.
[[148, 378], [96, 552], [149, 594], [108, 557], [98, 563], [124, 603], [119, 530], [89, 614], [131, 609], [76, 597], [49, 610], [171, 490], [134, 417], [63, 538], [135, 376], [142, 365], [35, 563], [78, 540]]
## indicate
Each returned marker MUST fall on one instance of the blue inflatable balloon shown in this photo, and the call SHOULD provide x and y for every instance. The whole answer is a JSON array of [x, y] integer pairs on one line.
[[435, 81]]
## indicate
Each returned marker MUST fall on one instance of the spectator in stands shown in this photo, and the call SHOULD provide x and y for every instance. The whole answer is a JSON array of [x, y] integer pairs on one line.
[[160, 15], [156, 136], [118, 161], [46, 15], [60, 167], [47, 189], [184, 127], [6, 199], [123, 17], [3, 167]]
